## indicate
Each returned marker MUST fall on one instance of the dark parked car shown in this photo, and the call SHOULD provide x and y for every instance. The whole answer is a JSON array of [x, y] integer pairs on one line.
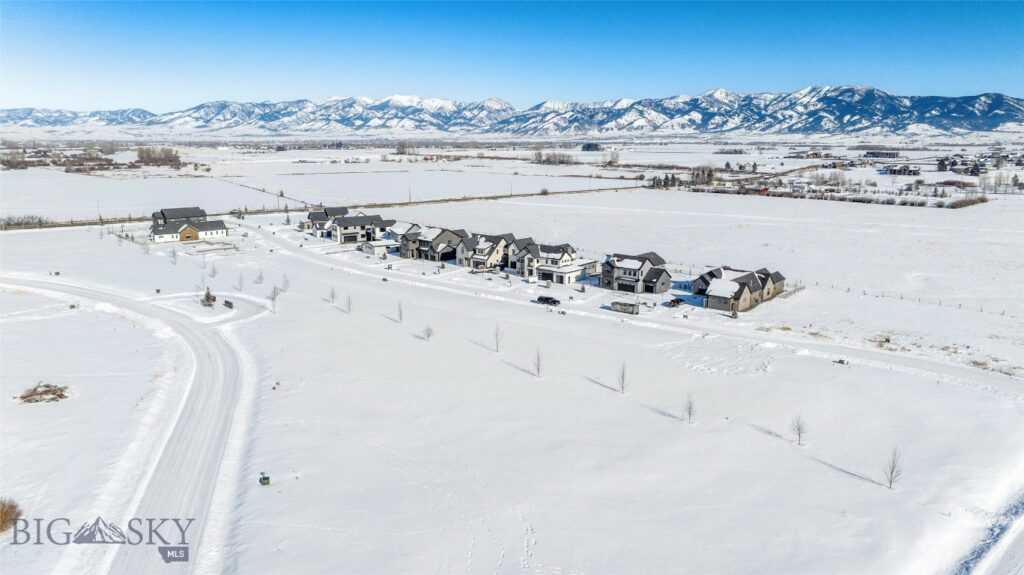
[[228, 304], [547, 300]]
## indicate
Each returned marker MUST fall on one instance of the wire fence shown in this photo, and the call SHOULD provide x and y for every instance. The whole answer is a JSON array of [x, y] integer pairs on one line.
[[794, 286]]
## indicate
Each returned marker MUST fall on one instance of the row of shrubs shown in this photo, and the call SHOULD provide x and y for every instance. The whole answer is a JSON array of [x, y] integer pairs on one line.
[[913, 202], [964, 202]]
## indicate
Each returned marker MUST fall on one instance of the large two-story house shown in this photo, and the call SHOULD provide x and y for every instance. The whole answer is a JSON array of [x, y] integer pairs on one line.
[[184, 225], [642, 273], [555, 263], [358, 229], [432, 244], [317, 221], [483, 251]]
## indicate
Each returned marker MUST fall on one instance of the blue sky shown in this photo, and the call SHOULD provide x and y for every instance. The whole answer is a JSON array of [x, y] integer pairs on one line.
[[168, 56]]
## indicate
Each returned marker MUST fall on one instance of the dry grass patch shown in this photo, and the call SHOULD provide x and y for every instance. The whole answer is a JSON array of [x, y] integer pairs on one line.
[[44, 393], [9, 511]]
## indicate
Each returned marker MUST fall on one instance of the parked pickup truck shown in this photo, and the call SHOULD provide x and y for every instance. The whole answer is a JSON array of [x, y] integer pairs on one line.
[[547, 300]]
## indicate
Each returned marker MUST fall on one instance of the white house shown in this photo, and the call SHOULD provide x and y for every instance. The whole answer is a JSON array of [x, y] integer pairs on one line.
[[379, 248], [358, 229], [188, 231]]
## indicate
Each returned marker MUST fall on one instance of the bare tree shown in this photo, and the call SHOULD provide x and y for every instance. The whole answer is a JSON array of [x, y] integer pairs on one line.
[[333, 295], [285, 284], [690, 409], [498, 336], [348, 304], [241, 281], [537, 363], [401, 315], [174, 256], [428, 332], [799, 428], [213, 270], [273, 298], [893, 468], [145, 249], [259, 278], [622, 378]]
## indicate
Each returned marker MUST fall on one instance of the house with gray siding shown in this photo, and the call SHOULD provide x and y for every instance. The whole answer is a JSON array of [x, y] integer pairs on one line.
[[641, 273], [317, 221], [432, 244], [483, 251], [731, 289]]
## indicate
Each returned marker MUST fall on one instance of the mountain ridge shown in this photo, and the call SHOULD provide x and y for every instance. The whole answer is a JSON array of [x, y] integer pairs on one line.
[[847, 109]]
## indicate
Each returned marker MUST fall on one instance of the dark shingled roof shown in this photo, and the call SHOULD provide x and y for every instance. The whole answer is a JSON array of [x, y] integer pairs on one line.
[[180, 213], [654, 274], [350, 221], [655, 259], [209, 226]]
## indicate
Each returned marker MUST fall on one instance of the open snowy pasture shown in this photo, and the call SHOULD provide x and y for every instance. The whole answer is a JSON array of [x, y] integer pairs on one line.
[[59, 196], [424, 419], [441, 453], [84, 454]]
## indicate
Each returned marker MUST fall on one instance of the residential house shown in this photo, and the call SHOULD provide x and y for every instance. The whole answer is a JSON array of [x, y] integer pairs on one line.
[[317, 221], [904, 170], [182, 225], [738, 290], [188, 231], [433, 244], [555, 263], [178, 215], [642, 273], [398, 229], [482, 251], [357, 229], [379, 248]]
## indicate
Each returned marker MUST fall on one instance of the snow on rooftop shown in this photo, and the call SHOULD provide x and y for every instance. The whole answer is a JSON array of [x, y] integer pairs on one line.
[[629, 264], [428, 234], [722, 288]]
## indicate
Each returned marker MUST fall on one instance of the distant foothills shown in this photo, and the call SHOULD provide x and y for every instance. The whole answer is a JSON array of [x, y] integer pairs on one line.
[[812, 110]]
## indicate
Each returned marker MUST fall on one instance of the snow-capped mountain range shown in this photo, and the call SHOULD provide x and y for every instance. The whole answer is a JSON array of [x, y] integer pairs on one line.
[[812, 110]]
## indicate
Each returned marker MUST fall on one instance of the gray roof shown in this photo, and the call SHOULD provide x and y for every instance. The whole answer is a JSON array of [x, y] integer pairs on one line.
[[655, 259], [654, 274], [535, 249], [324, 214], [350, 221], [175, 227], [180, 213], [209, 226]]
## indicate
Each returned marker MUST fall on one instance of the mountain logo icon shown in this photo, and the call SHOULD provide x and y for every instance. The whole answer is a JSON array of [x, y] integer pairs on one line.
[[99, 532]]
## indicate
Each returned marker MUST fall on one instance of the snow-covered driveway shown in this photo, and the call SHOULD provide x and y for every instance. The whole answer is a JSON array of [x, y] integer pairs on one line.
[[196, 461]]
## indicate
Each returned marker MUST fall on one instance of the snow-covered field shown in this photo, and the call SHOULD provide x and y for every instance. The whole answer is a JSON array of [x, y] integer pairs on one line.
[[253, 178], [390, 451]]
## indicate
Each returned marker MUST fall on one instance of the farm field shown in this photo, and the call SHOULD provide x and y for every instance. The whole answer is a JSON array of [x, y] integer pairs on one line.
[[230, 178], [392, 447]]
